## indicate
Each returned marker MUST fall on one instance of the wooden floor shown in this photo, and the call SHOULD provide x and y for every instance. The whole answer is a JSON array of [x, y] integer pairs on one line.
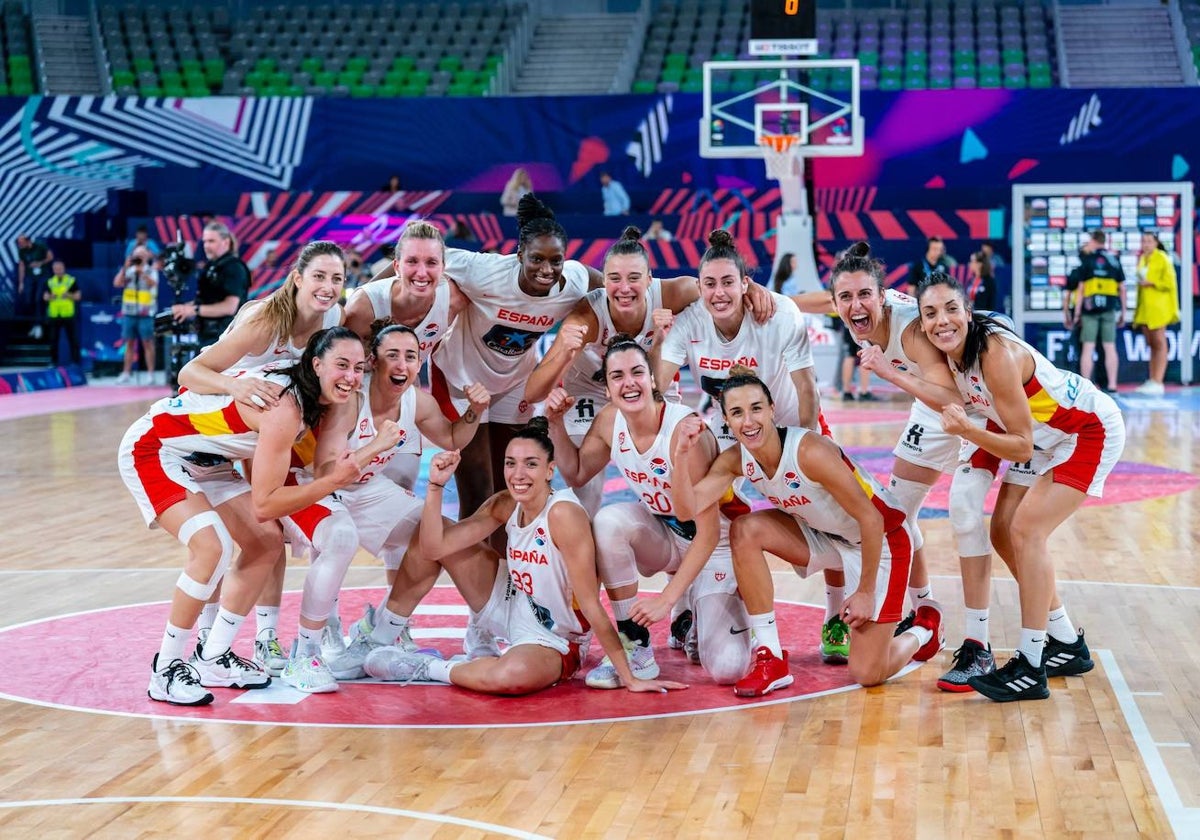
[[1113, 754]]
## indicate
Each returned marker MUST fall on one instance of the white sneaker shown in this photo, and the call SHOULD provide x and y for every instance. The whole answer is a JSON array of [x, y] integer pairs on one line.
[[333, 643], [364, 625], [396, 664], [36, 332], [177, 684], [479, 642], [309, 674], [148, 378], [124, 378], [641, 662], [229, 671], [349, 666], [269, 654], [1150, 388]]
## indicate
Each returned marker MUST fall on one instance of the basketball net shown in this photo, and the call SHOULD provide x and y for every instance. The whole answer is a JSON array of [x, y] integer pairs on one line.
[[783, 156]]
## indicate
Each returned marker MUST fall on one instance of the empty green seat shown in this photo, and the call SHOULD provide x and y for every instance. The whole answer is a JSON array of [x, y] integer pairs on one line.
[[449, 62], [359, 63]]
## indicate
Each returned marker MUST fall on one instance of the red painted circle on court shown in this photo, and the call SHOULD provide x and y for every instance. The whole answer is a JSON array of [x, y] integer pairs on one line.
[[102, 664]]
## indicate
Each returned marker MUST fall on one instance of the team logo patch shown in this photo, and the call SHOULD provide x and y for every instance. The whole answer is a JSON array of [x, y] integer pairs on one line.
[[975, 383], [431, 330], [658, 466], [510, 341], [403, 438], [792, 480], [539, 536]]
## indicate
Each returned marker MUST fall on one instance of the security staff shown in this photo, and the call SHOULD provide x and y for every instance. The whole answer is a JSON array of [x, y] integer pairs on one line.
[[60, 296], [1099, 284]]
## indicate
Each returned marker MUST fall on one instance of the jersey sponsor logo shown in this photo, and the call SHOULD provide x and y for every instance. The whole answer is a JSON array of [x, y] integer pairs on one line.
[[790, 502], [522, 318], [710, 363], [912, 438], [792, 480], [534, 557], [539, 536], [509, 341], [658, 466]]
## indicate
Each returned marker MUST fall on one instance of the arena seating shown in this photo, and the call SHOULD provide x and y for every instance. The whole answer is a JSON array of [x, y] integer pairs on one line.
[[381, 49], [928, 45], [1190, 10], [16, 67]]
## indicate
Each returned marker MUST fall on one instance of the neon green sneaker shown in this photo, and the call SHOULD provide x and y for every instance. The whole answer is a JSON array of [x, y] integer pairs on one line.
[[835, 642]]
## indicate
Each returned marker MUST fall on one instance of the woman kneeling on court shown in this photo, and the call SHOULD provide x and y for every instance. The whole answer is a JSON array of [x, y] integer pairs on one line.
[[829, 513], [545, 601]]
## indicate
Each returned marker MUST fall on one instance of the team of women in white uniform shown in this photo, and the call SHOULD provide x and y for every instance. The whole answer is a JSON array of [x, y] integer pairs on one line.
[[331, 438]]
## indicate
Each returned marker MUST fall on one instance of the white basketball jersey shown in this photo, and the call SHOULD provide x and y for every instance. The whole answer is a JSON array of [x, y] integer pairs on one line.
[[793, 492], [772, 350], [493, 338], [537, 569], [280, 354], [365, 432], [902, 313], [191, 424], [431, 328]]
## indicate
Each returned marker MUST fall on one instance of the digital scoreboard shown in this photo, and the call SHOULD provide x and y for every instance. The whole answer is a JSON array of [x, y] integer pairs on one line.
[[783, 27]]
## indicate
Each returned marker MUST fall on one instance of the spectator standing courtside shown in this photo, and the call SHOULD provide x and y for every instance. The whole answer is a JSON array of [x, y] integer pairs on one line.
[[61, 296], [141, 239], [982, 284], [934, 259], [1157, 307], [33, 261], [223, 286], [616, 200], [1099, 305], [138, 280]]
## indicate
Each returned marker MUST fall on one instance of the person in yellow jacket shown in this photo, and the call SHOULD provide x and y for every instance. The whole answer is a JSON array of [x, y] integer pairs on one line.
[[138, 280], [1157, 307], [61, 296]]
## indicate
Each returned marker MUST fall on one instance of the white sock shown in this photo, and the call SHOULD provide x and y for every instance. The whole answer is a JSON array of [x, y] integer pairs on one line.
[[921, 634], [834, 596], [335, 618], [224, 630], [765, 633], [920, 595], [1060, 627], [208, 616], [977, 626], [1031, 645], [440, 669], [622, 607], [309, 641], [266, 618], [388, 626], [173, 645]]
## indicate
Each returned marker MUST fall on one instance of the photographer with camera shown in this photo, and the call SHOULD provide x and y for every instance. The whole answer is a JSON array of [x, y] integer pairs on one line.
[[138, 279], [222, 288]]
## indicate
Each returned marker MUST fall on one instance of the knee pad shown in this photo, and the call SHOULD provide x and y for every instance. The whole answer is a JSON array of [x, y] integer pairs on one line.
[[911, 495], [615, 558], [968, 491], [335, 542], [724, 654], [189, 586]]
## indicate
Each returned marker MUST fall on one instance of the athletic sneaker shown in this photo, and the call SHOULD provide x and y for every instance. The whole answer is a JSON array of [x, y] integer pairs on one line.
[[835, 642], [768, 673], [269, 653], [641, 662], [177, 684], [399, 665], [309, 674], [477, 643], [333, 643], [905, 623], [691, 645], [229, 671], [349, 666], [929, 616], [1017, 680], [970, 660], [1067, 660], [364, 625], [681, 625]]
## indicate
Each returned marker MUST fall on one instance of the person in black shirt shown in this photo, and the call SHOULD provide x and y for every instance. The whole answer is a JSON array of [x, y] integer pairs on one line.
[[934, 260], [223, 286], [982, 285], [1099, 302]]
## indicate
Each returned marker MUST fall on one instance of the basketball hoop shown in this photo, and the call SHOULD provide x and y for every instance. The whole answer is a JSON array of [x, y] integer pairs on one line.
[[781, 152]]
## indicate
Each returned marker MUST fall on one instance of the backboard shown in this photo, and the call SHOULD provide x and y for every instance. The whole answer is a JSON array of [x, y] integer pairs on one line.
[[815, 100]]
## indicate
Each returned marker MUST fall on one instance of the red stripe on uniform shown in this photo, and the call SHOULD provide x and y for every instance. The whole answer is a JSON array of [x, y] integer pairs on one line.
[[162, 492], [441, 392], [308, 519], [900, 548], [1080, 469]]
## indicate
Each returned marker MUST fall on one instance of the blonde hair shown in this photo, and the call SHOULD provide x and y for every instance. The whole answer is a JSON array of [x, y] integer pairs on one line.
[[279, 311], [420, 229]]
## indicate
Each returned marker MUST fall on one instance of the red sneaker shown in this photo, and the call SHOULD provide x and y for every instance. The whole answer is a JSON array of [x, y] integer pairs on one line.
[[768, 673], [930, 617]]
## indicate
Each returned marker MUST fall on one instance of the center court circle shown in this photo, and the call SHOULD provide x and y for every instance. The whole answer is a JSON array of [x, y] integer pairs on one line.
[[102, 664]]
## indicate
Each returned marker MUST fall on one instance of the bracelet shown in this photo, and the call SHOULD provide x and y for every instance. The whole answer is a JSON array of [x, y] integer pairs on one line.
[[197, 308], [435, 484]]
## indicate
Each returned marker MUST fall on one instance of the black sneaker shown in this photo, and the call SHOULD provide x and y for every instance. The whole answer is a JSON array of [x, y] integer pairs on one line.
[[1063, 660], [970, 660], [867, 396], [679, 630], [847, 396], [1017, 680], [906, 623]]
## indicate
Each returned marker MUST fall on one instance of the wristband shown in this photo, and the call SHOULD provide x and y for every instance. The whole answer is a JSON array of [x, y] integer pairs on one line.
[[435, 484], [197, 308]]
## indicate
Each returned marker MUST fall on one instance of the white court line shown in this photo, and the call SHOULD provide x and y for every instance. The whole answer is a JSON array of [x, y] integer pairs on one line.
[[1185, 822], [286, 803]]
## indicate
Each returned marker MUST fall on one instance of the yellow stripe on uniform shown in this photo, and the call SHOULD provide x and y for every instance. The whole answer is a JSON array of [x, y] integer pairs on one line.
[[211, 423], [1042, 406]]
